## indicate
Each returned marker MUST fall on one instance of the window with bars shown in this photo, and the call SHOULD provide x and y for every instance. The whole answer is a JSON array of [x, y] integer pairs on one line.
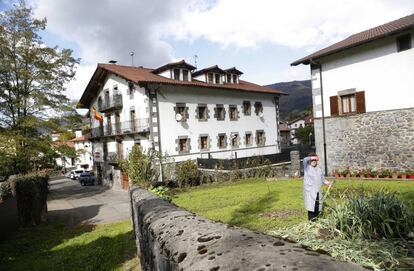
[[183, 145], [247, 108], [222, 142], [258, 108], [202, 112], [234, 139], [220, 112], [203, 143], [248, 138], [233, 112], [260, 138]]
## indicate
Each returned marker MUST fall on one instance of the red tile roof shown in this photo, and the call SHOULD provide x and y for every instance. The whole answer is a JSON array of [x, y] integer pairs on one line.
[[366, 36], [181, 64], [142, 76], [81, 138]]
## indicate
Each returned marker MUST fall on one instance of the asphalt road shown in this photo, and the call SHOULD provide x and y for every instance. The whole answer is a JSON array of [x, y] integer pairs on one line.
[[73, 204]]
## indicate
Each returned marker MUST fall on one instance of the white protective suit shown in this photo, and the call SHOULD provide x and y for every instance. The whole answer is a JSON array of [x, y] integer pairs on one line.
[[312, 184]]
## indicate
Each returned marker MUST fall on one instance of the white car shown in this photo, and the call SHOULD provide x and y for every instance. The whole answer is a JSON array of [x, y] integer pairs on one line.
[[74, 174]]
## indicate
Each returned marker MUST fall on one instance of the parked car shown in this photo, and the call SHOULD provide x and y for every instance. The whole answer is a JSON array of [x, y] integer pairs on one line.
[[74, 174], [87, 178]]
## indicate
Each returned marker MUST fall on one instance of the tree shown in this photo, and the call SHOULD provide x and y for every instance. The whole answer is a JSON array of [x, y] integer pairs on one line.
[[303, 134], [32, 80]]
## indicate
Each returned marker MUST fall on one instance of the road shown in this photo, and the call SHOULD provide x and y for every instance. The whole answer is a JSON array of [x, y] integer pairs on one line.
[[73, 204]]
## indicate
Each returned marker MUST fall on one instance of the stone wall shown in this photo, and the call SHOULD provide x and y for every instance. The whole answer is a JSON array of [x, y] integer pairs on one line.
[[284, 170], [169, 238], [383, 139]]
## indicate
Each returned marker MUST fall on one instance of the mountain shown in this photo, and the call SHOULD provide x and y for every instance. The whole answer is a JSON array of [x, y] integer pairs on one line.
[[298, 100]]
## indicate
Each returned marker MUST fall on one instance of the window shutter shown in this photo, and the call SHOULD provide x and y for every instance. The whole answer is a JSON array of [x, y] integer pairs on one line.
[[360, 102], [334, 105]]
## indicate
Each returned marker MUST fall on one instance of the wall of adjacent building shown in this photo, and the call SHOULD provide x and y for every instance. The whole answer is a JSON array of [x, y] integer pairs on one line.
[[377, 68], [382, 140], [170, 129]]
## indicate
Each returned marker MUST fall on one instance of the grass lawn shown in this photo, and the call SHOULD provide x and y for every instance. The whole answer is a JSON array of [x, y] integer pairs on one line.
[[262, 205], [85, 247]]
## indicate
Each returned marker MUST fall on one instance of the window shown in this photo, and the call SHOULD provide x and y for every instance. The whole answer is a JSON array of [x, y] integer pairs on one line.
[[203, 142], [233, 112], [258, 108], [183, 145], [220, 113], [185, 75], [247, 108], [209, 78], [222, 141], [235, 78], [176, 74], [132, 120], [202, 112], [130, 90], [115, 87], [404, 42], [228, 78], [348, 103], [260, 139], [217, 78], [181, 109], [234, 139], [248, 138]]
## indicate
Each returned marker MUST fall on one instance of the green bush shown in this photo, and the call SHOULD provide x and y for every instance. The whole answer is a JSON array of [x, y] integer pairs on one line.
[[140, 167], [31, 194], [162, 191], [187, 173], [372, 216]]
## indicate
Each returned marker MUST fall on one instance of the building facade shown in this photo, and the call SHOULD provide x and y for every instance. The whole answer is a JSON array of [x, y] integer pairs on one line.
[[363, 93], [180, 113]]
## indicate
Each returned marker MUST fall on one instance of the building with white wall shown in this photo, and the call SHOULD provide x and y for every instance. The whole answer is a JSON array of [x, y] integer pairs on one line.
[[363, 96], [180, 113], [83, 148]]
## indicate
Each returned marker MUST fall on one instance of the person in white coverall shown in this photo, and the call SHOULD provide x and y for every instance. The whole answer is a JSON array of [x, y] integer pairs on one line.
[[312, 185]]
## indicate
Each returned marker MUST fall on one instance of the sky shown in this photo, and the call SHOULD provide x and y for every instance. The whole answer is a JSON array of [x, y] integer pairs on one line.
[[261, 38]]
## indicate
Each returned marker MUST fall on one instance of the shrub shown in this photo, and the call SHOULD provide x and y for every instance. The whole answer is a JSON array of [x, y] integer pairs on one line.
[[162, 191], [371, 216], [140, 167], [31, 194], [187, 173]]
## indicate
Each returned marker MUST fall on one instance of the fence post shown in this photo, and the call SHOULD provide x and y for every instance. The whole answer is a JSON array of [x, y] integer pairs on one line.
[[294, 163]]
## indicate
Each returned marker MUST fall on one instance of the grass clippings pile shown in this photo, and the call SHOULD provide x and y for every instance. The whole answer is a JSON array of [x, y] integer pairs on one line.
[[372, 229]]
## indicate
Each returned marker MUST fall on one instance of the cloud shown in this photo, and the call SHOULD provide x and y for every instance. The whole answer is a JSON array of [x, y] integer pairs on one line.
[[76, 87], [293, 23], [109, 29]]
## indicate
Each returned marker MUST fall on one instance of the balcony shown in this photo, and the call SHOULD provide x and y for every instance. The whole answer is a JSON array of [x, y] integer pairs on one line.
[[111, 103], [140, 125]]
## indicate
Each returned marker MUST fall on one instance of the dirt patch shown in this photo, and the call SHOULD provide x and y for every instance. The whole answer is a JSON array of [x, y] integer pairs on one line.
[[281, 213]]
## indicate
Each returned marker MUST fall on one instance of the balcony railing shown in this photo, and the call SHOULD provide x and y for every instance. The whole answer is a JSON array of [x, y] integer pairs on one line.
[[113, 158], [111, 102], [122, 128]]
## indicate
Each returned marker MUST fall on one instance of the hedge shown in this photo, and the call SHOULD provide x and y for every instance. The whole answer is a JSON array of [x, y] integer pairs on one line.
[[31, 194]]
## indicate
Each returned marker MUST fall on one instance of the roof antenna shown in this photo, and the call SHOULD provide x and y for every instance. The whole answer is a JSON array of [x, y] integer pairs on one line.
[[195, 60], [132, 58]]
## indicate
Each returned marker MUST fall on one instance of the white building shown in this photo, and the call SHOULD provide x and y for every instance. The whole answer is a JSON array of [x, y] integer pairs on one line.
[[363, 94], [180, 113], [83, 148], [296, 124]]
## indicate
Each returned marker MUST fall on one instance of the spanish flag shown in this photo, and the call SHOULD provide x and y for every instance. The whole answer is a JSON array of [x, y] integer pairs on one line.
[[96, 114]]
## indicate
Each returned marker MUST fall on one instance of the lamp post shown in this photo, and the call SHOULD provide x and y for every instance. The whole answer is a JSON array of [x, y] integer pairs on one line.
[[310, 139]]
